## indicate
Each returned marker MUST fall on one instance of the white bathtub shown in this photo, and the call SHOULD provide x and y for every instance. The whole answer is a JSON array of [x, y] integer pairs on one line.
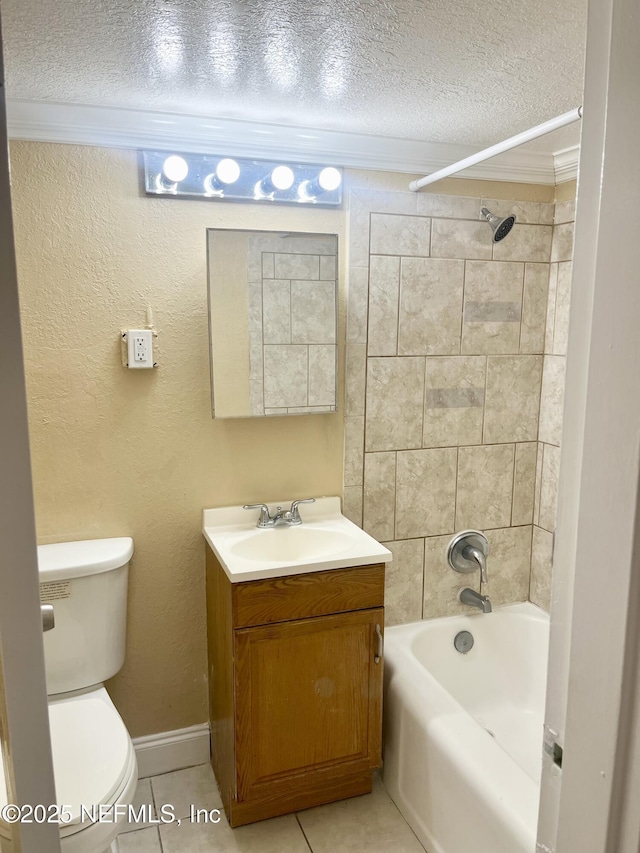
[[463, 732]]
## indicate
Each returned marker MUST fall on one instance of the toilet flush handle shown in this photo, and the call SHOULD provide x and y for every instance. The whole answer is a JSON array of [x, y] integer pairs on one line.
[[48, 618]]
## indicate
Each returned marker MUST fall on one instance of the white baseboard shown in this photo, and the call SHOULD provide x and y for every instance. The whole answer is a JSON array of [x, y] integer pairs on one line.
[[167, 751]]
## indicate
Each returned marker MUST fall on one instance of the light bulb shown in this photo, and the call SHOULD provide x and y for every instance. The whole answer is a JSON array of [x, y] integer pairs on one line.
[[329, 179], [228, 171], [282, 177], [306, 191], [175, 168]]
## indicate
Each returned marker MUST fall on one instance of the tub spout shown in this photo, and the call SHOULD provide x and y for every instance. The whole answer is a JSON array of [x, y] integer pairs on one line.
[[474, 599], [470, 552]]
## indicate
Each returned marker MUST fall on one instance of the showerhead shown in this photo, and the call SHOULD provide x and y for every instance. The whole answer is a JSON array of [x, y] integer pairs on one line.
[[499, 225]]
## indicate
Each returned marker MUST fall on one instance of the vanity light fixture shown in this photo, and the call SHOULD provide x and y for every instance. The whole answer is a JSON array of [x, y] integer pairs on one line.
[[222, 178], [328, 180], [226, 172]]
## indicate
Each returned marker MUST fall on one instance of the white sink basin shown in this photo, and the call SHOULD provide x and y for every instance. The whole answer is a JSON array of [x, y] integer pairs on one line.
[[286, 544], [324, 540]]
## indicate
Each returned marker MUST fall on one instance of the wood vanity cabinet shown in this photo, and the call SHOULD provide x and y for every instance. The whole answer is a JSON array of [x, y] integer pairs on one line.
[[295, 688]]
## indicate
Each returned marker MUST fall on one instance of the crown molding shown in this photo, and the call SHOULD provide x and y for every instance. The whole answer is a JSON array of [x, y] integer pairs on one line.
[[566, 164], [114, 127]]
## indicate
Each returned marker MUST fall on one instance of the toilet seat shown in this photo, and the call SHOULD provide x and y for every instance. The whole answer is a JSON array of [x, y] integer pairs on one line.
[[91, 753], [93, 760]]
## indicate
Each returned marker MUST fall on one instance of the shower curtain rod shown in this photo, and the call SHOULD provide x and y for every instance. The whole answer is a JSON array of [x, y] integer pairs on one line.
[[498, 148]]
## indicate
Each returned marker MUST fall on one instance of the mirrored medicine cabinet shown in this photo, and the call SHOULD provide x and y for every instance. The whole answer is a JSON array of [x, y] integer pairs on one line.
[[273, 299]]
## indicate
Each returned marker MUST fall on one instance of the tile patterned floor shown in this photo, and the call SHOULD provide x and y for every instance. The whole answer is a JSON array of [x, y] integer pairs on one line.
[[370, 823]]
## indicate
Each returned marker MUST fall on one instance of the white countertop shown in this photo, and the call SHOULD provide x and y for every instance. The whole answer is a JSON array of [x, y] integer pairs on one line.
[[324, 540]]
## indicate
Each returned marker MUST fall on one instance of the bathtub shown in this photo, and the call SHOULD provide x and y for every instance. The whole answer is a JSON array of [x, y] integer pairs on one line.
[[463, 732]]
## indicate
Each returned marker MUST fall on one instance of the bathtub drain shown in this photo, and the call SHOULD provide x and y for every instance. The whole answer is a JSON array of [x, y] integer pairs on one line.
[[463, 642]]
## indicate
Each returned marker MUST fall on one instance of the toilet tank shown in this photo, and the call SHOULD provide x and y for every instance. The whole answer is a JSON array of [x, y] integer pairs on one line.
[[86, 582]]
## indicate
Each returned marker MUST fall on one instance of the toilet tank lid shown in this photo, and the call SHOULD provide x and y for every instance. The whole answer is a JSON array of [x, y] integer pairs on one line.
[[66, 560]]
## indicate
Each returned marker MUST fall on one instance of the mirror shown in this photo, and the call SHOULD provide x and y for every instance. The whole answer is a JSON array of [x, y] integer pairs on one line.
[[272, 322]]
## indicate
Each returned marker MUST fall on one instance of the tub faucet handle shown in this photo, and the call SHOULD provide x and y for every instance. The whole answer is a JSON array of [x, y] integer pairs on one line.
[[468, 551]]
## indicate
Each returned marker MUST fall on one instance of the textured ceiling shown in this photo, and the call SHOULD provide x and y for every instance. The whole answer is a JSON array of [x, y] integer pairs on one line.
[[463, 71]]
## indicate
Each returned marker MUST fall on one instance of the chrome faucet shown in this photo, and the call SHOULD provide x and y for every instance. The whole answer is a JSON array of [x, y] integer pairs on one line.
[[474, 599], [468, 551], [289, 517]]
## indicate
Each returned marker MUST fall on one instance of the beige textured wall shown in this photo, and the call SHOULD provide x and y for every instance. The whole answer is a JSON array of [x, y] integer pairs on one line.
[[118, 452]]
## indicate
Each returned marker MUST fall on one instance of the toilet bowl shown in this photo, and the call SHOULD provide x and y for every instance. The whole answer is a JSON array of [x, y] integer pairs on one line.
[[94, 760]]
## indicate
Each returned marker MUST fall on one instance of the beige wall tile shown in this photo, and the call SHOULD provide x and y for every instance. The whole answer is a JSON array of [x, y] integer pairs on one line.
[[268, 265], [322, 375], [492, 307], [451, 239], [379, 495], [563, 298], [508, 565], [541, 568], [551, 308], [552, 399], [524, 481], [328, 267], [526, 212], [454, 401], [448, 206], [384, 286], [393, 234], [485, 486], [562, 248], [425, 492], [355, 378], [359, 218], [352, 504], [530, 243], [395, 399], [255, 355], [285, 375], [549, 487], [565, 211], [256, 397], [276, 311], [313, 312], [512, 398], [387, 201], [255, 306], [403, 582], [297, 266], [430, 306], [353, 451], [534, 308], [357, 300], [441, 583], [536, 503]]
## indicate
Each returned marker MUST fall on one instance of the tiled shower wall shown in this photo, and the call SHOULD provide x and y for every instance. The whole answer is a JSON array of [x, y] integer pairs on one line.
[[555, 349], [445, 352]]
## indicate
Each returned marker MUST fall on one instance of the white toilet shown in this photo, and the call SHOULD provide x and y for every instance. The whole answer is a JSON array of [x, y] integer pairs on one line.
[[93, 757]]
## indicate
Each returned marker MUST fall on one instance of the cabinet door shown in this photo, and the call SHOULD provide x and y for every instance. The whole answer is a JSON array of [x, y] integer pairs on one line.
[[308, 702]]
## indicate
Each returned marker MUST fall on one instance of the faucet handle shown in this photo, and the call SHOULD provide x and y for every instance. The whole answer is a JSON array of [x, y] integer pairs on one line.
[[265, 519], [295, 512]]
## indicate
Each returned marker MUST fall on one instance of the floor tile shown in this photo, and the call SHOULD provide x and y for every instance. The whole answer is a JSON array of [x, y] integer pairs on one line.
[[141, 841], [142, 798], [195, 786], [279, 835], [371, 823]]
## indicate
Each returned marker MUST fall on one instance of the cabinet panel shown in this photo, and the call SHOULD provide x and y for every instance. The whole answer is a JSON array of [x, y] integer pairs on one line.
[[307, 698], [305, 595]]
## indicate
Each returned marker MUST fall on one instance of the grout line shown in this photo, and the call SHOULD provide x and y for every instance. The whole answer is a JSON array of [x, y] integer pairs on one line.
[[304, 835], [455, 494], [524, 279], [513, 480]]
